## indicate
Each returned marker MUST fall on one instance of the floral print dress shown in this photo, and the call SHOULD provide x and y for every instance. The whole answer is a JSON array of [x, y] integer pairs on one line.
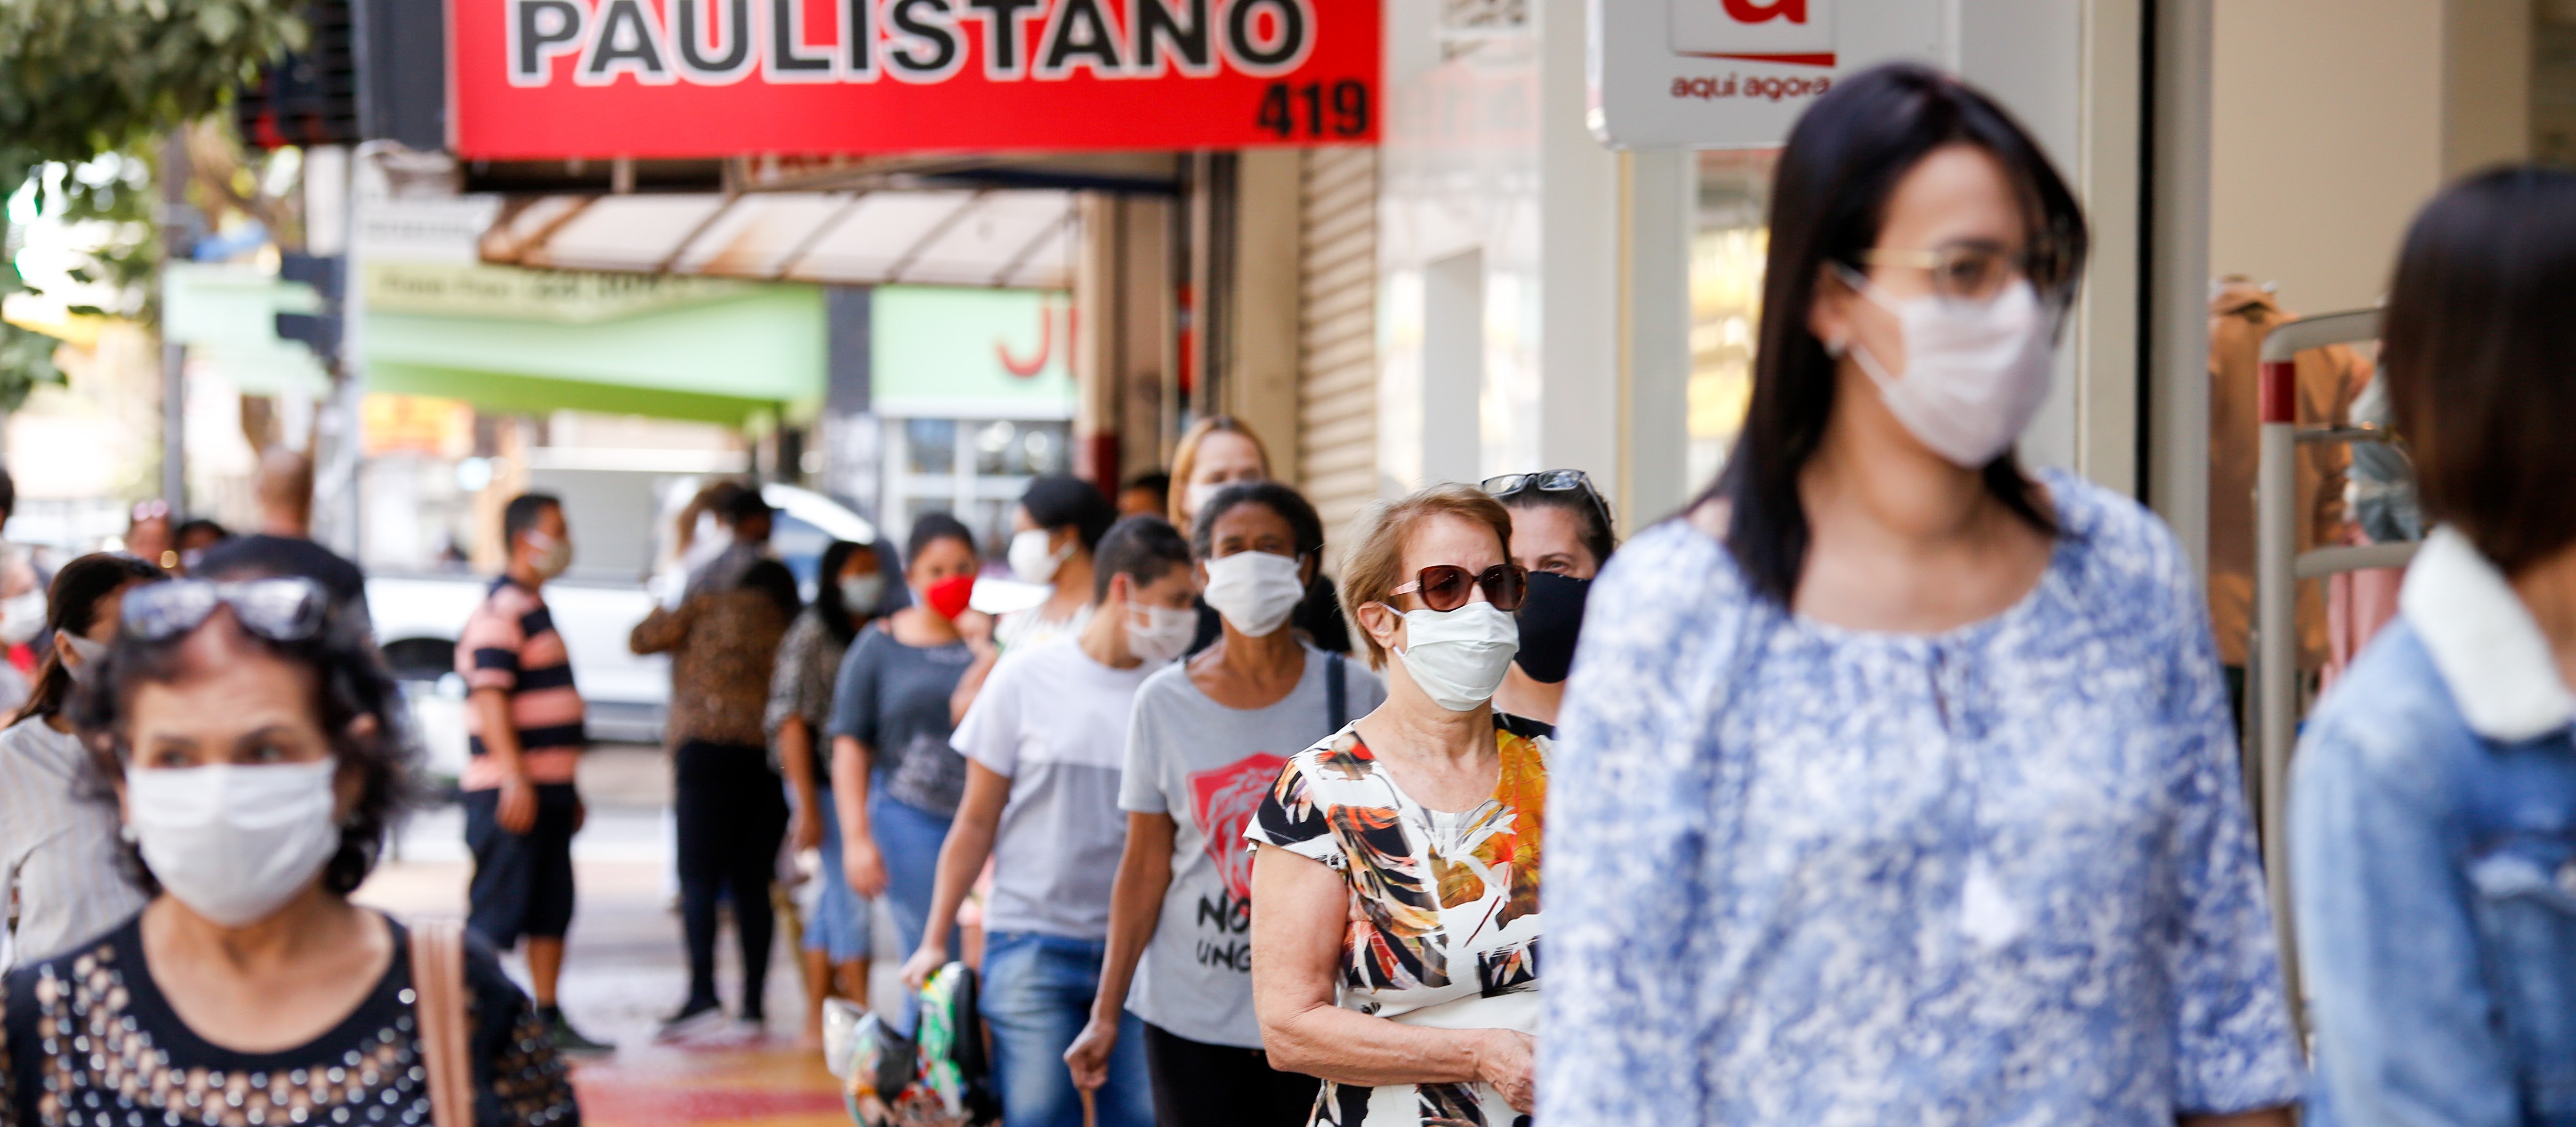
[[1446, 927], [1816, 876]]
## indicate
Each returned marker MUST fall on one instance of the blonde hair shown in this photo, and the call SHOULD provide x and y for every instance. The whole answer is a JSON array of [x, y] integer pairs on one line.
[[1374, 566], [1185, 458]]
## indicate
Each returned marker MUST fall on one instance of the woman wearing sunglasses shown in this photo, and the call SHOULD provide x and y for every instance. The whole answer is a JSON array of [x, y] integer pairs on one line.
[[1561, 536], [249, 736], [1395, 954], [1897, 785]]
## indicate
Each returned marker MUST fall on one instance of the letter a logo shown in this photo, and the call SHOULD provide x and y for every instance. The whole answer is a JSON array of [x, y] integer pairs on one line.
[[1749, 11]]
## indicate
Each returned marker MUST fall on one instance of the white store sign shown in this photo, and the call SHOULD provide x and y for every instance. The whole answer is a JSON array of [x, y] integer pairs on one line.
[[1721, 74]]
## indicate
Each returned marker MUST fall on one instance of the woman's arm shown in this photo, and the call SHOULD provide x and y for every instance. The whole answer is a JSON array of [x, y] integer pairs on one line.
[[860, 864], [961, 859], [1135, 908], [662, 629], [1296, 956], [796, 758]]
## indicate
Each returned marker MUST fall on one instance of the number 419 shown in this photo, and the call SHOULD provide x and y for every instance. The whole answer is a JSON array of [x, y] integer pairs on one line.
[[1347, 115]]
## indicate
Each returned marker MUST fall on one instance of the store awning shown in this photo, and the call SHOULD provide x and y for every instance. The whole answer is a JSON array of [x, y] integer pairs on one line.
[[536, 341], [1010, 239]]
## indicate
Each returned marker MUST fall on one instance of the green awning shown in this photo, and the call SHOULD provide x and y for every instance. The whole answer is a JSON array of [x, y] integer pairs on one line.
[[537, 341]]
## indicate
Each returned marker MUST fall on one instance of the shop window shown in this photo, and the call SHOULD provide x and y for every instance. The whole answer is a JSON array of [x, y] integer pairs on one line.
[[1728, 245], [974, 469]]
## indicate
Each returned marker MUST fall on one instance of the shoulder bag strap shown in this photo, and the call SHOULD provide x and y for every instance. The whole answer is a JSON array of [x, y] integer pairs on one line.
[[1337, 691], [438, 985]]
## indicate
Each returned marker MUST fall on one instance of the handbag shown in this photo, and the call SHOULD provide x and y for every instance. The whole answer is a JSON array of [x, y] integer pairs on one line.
[[438, 1009]]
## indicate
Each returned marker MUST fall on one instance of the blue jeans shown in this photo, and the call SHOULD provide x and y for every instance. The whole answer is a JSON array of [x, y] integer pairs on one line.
[[839, 925], [1037, 996], [908, 839]]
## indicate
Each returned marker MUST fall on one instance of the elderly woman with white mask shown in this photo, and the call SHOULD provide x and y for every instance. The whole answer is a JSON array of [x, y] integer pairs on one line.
[[1895, 784], [1395, 953], [250, 734]]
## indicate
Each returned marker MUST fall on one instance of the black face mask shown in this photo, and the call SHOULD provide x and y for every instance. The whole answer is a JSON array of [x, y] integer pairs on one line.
[[1550, 618]]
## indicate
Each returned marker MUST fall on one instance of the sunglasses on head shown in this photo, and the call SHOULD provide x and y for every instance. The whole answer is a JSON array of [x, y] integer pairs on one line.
[[1447, 586], [286, 609], [1550, 481]]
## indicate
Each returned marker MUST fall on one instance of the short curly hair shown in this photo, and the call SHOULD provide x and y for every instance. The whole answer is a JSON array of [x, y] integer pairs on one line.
[[350, 683]]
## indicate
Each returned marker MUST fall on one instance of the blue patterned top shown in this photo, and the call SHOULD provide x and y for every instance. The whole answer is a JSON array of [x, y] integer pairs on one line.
[[1808, 875]]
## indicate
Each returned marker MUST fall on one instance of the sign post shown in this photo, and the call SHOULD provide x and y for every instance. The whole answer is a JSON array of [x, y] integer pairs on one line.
[[551, 79], [1719, 74]]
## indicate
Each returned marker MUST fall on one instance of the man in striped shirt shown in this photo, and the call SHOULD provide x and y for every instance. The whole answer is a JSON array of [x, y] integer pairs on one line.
[[524, 723]]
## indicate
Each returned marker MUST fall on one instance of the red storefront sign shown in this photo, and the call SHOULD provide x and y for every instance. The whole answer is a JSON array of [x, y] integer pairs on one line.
[[549, 79]]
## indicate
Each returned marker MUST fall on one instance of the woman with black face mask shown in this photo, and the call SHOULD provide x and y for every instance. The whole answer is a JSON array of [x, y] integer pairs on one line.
[[1561, 534]]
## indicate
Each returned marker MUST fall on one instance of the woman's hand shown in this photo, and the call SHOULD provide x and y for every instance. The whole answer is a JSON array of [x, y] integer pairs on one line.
[[925, 962], [1508, 1060], [1089, 1056], [806, 831], [862, 867]]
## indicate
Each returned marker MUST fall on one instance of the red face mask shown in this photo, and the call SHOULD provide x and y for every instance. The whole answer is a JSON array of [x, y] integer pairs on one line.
[[947, 598]]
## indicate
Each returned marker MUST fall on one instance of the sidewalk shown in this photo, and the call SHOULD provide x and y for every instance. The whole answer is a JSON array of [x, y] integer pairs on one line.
[[624, 967]]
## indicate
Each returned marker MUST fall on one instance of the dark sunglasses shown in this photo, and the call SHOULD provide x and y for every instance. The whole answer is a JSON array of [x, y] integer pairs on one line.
[[288, 609], [1551, 481], [1447, 586]]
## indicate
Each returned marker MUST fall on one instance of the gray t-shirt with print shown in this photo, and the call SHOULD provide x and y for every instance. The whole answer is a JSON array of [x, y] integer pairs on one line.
[[1208, 766]]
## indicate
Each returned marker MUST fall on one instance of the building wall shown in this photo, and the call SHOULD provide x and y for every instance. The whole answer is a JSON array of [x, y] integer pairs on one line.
[[2326, 136]]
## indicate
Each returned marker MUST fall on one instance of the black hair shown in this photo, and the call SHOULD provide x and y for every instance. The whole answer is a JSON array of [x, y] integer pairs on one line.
[[1828, 199], [350, 684], [828, 603], [742, 505], [931, 528], [8, 494], [1156, 480], [1587, 509], [772, 578], [1058, 501], [522, 514], [2481, 320], [72, 605], [1304, 526], [195, 525], [1143, 548]]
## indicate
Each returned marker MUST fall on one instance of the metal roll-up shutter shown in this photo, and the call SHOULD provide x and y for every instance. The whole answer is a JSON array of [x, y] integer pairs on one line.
[[1337, 335]]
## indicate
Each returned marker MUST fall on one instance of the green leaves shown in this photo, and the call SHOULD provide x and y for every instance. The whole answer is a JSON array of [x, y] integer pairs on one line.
[[83, 77]]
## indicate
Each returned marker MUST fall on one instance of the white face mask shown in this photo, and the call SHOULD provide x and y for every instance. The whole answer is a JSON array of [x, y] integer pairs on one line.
[[860, 594], [235, 843], [1159, 634], [1198, 495], [1032, 561], [557, 554], [1459, 656], [1255, 591], [1975, 375], [91, 653], [22, 617]]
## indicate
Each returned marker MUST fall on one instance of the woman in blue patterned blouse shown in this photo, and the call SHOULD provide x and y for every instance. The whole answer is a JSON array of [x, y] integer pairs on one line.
[[1897, 785]]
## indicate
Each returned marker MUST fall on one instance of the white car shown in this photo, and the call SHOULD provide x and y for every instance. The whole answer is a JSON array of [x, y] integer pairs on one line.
[[418, 617]]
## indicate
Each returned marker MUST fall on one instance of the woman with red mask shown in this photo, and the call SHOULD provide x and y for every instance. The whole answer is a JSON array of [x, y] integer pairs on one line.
[[890, 726]]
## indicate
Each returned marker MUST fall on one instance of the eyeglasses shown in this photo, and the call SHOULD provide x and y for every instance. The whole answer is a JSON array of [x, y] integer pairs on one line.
[[1446, 586], [1551, 481], [288, 609], [1964, 272]]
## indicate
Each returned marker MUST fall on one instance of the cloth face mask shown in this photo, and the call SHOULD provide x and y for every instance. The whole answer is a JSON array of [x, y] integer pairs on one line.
[[1551, 617], [1459, 656], [91, 653], [235, 843], [1975, 375], [1159, 634], [1032, 561], [22, 617], [948, 597], [1256, 591], [557, 557], [861, 593]]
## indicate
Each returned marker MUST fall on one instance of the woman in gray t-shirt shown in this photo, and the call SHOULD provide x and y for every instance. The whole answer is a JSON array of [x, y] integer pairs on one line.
[[1204, 743], [890, 728]]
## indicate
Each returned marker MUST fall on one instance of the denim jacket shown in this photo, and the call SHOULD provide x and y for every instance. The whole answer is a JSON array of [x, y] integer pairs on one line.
[[2433, 864]]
